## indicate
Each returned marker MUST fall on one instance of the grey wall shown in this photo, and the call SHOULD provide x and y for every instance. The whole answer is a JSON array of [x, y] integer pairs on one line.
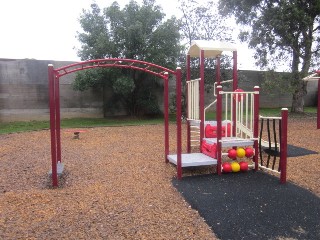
[[24, 92]]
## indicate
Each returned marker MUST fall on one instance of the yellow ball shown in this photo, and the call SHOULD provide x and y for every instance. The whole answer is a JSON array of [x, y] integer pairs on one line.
[[241, 152], [235, 166]]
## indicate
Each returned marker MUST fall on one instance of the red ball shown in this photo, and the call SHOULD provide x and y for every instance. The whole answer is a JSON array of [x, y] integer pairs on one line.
[[249, 152], [232, 153], [243, 166], [226, 167]]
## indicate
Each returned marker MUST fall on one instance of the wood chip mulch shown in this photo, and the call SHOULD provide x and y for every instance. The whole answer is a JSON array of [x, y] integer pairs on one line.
[[115, 185]]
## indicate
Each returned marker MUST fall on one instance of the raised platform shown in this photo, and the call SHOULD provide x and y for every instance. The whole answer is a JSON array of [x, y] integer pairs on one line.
[[192, 159], [231, 141]]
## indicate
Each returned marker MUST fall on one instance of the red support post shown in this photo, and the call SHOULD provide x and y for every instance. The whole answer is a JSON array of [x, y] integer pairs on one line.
[[318, 110], [218, 73], [57, 110], [234, 87], [235, 70], [187, 100], [219, 123], [256, 126], [166, 116], [52, 108], [201, 95], [178, 119], [283, 145]]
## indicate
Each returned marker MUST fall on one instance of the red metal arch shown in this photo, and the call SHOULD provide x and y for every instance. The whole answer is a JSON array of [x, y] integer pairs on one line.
[[54, 97], [115, 62]]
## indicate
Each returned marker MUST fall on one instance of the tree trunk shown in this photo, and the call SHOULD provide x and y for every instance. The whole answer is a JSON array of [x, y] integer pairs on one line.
[[105, 98], [297, 97]]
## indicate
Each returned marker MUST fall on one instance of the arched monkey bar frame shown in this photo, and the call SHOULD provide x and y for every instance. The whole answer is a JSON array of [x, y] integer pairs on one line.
[[54, 97]]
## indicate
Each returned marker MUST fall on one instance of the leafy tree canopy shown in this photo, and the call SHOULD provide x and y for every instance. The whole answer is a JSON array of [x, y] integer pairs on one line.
[[282, 32], [136, 32], [202, 21]]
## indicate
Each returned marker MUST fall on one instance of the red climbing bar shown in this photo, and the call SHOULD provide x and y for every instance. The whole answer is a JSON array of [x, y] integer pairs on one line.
[[283, 145], [52, 108], [256, 126], [219, 122], [178, 119], [166, 115]]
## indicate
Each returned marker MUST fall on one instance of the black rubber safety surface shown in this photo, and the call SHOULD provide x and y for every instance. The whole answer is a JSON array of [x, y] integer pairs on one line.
[[252, 205], [294, 151]]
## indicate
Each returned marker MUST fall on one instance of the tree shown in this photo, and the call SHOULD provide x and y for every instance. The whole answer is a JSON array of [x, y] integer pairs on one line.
[[282, 32], [202, 21], [135, 32]]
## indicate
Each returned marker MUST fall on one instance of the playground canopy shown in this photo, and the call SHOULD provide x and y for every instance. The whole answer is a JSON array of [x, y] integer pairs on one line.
[[212, 49]]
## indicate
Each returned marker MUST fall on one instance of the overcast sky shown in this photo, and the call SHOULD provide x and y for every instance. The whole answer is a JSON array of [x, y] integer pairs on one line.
[[46, 29]]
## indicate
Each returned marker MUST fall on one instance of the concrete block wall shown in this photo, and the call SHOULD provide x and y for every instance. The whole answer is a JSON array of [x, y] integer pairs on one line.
[[24, 92]]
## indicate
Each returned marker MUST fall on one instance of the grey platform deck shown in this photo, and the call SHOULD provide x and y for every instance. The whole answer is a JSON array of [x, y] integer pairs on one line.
[[193, 159]]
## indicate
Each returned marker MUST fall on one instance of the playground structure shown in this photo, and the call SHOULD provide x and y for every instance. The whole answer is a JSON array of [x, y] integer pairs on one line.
[[240, 109], [316, 77], [237, 118]]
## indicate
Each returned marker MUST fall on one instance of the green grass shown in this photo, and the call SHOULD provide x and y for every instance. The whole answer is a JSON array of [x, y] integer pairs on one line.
[[22, 126], [13, 127], [120, 121]]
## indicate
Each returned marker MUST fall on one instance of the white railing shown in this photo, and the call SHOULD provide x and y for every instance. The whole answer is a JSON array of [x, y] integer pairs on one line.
[[193, 99], [215, 94], [209, 106], [244, 110], [215, 86]]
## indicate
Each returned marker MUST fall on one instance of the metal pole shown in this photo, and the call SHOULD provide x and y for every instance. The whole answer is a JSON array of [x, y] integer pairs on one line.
[[283, 145], [166, 116], [187, 100], [256, 126], [52, 108], [235, 70], [178, 119], [218, 73], [201, 102], [318, 110], [57, 109], [234, 87], [219, 122]]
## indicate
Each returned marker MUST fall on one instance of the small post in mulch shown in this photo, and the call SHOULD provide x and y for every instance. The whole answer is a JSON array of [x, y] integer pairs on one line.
[[76, 133]]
